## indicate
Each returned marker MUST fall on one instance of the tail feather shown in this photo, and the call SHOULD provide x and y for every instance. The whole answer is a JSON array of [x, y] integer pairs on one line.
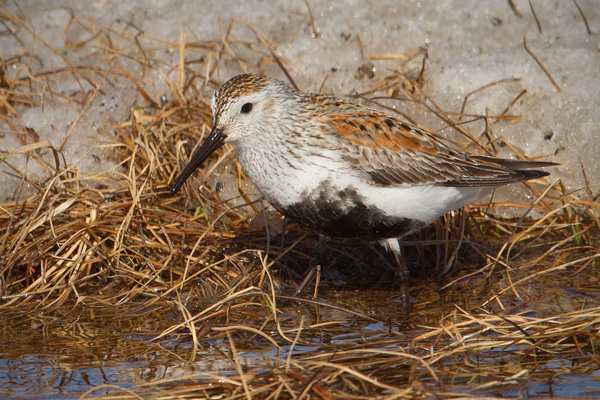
[[500, 171], [516, 164]]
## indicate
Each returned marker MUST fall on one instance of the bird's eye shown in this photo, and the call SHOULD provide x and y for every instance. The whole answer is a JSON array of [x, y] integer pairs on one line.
[[246, 108]]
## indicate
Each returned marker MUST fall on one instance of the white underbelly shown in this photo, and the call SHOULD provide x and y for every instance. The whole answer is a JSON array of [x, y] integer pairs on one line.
[[284, 182]]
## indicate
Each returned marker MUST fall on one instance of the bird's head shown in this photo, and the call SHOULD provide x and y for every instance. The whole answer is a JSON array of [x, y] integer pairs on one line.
[[247, 111]]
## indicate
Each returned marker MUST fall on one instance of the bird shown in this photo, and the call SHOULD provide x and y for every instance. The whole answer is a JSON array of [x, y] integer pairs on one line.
[[346, 170]]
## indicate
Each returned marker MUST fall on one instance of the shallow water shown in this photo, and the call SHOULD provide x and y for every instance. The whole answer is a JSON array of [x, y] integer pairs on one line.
[[114, 353], [62, 376]]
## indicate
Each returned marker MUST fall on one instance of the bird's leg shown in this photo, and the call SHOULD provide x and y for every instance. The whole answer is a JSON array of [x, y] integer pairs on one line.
[[283, 230], [262, 206], [321, 249], [315, 270], [401, 272]]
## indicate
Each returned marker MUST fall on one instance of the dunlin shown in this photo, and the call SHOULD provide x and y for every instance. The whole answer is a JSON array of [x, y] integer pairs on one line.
[[342, 169]]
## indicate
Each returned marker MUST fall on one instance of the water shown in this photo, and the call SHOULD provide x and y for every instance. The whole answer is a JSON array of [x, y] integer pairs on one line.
[[114, 353]]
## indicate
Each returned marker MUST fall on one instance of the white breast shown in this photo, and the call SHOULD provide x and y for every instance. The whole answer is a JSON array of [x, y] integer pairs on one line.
[[284, 180]]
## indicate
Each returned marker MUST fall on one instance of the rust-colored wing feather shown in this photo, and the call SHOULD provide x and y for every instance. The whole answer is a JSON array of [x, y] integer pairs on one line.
[[395, 152]]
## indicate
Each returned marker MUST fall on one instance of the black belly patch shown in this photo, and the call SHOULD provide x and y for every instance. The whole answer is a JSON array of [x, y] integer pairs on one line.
[[344, 214]]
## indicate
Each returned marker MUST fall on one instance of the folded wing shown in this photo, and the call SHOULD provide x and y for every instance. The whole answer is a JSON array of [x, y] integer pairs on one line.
[[395, 152]]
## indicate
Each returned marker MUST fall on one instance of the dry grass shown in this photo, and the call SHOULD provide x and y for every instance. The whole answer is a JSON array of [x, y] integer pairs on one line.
[[525, 295]]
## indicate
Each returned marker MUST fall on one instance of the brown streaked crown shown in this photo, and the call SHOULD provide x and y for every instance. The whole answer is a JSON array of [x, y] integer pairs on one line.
[[237, 86]]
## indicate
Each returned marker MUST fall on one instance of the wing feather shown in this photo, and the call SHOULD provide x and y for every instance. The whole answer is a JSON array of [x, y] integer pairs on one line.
[[395, 152]]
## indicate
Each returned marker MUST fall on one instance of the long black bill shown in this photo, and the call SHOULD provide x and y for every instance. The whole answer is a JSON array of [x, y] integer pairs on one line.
[[214, 140]]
